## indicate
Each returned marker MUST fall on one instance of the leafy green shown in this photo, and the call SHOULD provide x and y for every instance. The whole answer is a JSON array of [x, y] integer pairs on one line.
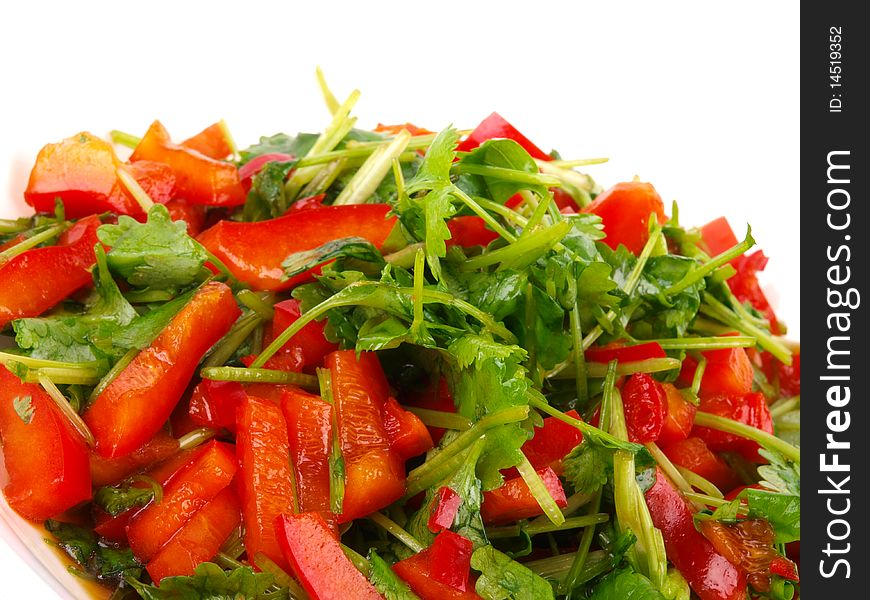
[[625, 584], [210, 582], [386, 581], [356, 248], [782, 511], [267, 198], [504, 154], [140, 332], [100, 561], [588, 467], [118, 499], [503, 578], [781, 475]]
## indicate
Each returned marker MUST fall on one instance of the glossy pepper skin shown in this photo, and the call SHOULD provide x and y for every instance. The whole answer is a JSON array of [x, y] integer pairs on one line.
[[214, 404], [265, 475], [728, 371], [253, 252], [407, 434], [551, 443], [514, 501], [646, 408], [450, 556], [416, 571], [694, 455], [318, 561], [211, 141], [374, 473], [710, 575], [107, 471], [305, 350], [198, 178], [309, 425], [495, 126], [624, 210], [444, 509], [622, 353], [38, 279], [136, 404], [46, 459], [680, 416], [750, 409], [468, 231]]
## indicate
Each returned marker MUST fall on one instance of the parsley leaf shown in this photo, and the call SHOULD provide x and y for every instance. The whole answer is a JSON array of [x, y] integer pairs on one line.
[[386, 581], [626, 585], [118, 499], [209, 581], [503, 578], [267, 198], [782, 511], [100, 561], [356, 248], [504, 154]]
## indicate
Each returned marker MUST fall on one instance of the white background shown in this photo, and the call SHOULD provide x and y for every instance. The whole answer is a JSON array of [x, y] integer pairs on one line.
[[699, 99]]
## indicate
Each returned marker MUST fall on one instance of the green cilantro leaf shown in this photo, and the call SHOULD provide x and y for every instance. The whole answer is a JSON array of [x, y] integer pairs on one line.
[[503, 578], [211, 582], [388, 584]]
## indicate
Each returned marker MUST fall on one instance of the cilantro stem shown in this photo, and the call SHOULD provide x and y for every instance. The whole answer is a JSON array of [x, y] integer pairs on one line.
[[649, 365], [361, 150], [495, 533], [766, 440], [711, 501], [229, 139], [396, 531], [324, 178], [61, 376], [146, 296], [369, 176], [696, 274], [786, 405], [714, 308], [474, 204], [507, 174], [139, 195], [557, 567], [668, 467], [257, 303], [698, 377], [328, 97], [702, 325], [443, 463], [706, 343], [71, 415], [540, 492], [581, 556], [252, 375], [359, 561], [579, 185], [696, 481], [405, 257], [525, 249], [577, 162], [31, 242], [85, 370], [442, 419], [336, 457], [575, 502], [235, 337], [580, 374], [124, 139], [195, 438], [419, 283]]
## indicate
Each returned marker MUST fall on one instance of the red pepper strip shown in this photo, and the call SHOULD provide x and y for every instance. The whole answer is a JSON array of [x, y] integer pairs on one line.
[[309, 346], [214, 404], [253, 252], [646, 407], [108, 471], [113, 529], [409, 127], [718, 236], [624, 210], [434, 397], [199, 539], [156, 179], [310, 203], [192, 214], [319, 562], [680, 416], [694, 455], [46, 459], [469, 231], [494, 126], [622, 353], [186, 492], [36, 280], [81, 171], [550, 444], [374, 474], [256, 164], [416, 571], [265, 476], [309, 425], [788, 376], [785, 569], [709, 574], [198, 178], [728, 371], [136, 404], [514, 501], [450, 559], [407, 434], [211, 141], [750, 409], [444, 510]]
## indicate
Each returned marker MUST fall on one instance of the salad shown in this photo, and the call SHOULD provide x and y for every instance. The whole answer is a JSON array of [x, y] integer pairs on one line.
[[398, 364]]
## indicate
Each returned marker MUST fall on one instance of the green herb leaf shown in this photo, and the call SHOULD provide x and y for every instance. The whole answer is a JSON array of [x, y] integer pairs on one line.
[[388, 584], [503, 578], [588, 467], [211, 582], [626, 585], [267, 198], [118, 499], [99, 561], [348, 247], [282, 143], [783, 511], [504, 154]]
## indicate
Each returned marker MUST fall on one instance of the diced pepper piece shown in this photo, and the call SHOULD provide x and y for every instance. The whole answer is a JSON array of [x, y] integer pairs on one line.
[[552, 442], [784, 568], [318, 561], [136, 404], [37, 279], [156, 179], [623, 353], [646, 407], [416, 571], [253, 252], [186, 492], [306, 349], [494, 127], [309, 425], [265, 476], [450, 559], [514, 500], [113, 529], [108, 471], [750, 409], [624, 210], [215, 404], [728, 371], [211, 141], [199, 539], [718, 236], [407, 434], [192, 214], [45, 458], [468, 231], [444, 510], [788, 377], [680, 416], [694, 455]]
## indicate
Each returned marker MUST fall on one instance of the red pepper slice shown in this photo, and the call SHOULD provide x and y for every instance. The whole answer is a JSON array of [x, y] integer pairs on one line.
[[214, 404], [156, 179], [551, 443], [198, 178], [318, 561], [622, 353], [750, 409], [310, 203], [444, 510], [646, 408], [784, 568], [199, 539], [469, 231], [433, 397], [309, 425], [108, 471], [192, 214], [136, 404], [514, 501], [253, 252], [46, 459], [709, 574], [407, 434], [495, 126], [36, 280], [309, 346], [787, 376], [624, 210], [728, 371], [680, 416], [718, 236], [186, 492], [211, 141], [416, 571], [374, 474], [693, 454], [265, 475], [450, 559]]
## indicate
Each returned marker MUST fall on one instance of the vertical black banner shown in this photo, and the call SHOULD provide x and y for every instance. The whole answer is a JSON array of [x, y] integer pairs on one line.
[[835, 255]]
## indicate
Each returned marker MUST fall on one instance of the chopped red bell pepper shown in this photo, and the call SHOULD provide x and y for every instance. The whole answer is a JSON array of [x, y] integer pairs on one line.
[[374, 474], [624, 210], [310, 203], [309, 425], [156, 179], [444, 509], [708, 573], [450, 559], [186, 492], [108, 471], [718, 236], [750, 409], [407, 434], [728, 371], [680, 416], [694, 455], [468, 231], [211, 141], [514, 501], [787, 376], [551, 443], [784, 568], [46, 459], [493, 127], [265, 474], [253, 252], [623, 353], [646, 408], [318, 561], [199, 539], [37, 279], [136, 404], [113, 529], [416, 571], [309, 346], [433, 397], [214, 404], [409, 127], [198, 178], [192, 214]]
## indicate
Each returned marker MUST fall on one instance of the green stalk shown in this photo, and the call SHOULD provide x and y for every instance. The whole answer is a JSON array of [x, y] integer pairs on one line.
[[766, 440], [419, 283], [507, 174], [698, 377], [442, 419], [367, 179], [195, 438], [328, 97], [336, 457], [697, 274], [234, 338], [71, 415], [475, 206], [257, 304], [280, 576], [786, 405], [251, 375], [705, 500], [405, 257], [540, 492], [706, 343], [147, 296], [509, 531], [649, 365], [139, 195], [396, 531], [572, 579], [713, 308], [359, 561], [31, 242], [557, 568], [324, 178], [580, 373], [124, 139], [522, 248], [696, 481]]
